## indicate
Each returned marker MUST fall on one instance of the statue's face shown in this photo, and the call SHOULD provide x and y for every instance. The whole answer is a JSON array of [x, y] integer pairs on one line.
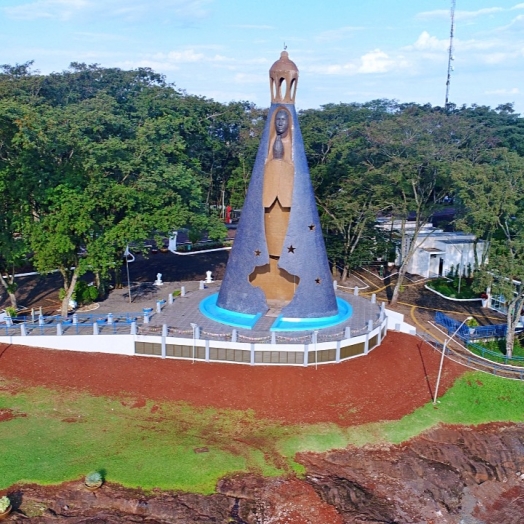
[[282, 122]]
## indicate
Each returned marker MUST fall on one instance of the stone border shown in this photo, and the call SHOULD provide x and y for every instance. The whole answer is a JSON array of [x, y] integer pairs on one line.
[[452, 299], [200, 252]]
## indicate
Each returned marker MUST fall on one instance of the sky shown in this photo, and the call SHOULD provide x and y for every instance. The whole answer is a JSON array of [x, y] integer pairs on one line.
[[346, 50]]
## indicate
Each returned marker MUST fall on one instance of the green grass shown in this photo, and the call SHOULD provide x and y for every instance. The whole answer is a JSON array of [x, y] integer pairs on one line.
[[498, 351], [154, 445], [449, 288]]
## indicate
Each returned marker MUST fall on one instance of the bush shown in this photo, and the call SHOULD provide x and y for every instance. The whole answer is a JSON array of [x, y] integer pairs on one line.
[[499, 346], [11, 311], [93, 479], [4, 504], [449, 288], [84, 293]]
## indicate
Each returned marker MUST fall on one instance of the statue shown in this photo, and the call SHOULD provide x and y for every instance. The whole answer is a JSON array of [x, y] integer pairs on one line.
[[278, 258], [158, 281], [277, 284]]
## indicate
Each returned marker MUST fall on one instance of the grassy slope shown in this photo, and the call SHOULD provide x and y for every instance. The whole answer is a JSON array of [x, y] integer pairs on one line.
[[63, 435]]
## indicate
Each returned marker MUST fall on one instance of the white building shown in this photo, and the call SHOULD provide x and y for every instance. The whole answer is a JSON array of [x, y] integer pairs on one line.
[[437, 252]]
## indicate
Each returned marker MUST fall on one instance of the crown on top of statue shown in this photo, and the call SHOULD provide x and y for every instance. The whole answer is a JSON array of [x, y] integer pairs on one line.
[[283, 79]]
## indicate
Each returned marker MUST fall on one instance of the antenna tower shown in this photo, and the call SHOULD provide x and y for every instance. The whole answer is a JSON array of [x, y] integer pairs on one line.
[[450, 54]]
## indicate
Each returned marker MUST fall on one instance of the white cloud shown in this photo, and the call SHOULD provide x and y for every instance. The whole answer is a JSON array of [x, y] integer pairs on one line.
[[515, 25], [427, 42], [337, 34], [255, 27], [182, 57], [246, 78], [173, 60], [61, 9], [331, 69], [97, 37], [459, 15], [518, 6], [513, 91], [376, 61], [127, 9], [373, 62]]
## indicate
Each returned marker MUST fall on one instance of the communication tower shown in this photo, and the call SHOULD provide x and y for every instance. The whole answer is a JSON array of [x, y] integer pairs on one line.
[[450, 54]]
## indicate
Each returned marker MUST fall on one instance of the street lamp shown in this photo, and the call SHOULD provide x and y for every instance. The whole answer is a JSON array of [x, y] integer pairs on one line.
[[442, 358], [128, 254]]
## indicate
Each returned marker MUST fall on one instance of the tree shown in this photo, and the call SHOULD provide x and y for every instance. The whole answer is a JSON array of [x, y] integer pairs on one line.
[[18, 187], [493, 194], [414, 150], [349, 196]]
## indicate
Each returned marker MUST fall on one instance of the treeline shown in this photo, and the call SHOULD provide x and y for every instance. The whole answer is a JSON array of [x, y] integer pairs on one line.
[[94, 158], [402, 162]]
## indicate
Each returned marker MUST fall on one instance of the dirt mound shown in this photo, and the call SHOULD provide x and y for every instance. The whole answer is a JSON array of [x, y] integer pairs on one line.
[[392, 381], [449, 475]]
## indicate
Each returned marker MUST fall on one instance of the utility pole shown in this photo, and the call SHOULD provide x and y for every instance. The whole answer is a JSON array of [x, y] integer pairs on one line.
[[450, 54]]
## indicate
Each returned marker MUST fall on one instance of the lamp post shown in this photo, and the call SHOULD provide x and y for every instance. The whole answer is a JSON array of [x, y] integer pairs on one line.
[[128, 254], [442, 358]]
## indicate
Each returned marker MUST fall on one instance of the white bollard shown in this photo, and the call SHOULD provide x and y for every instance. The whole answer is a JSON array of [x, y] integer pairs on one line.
[[183, 291], [373, 298], [356, 291], [201, 285], [335, 285], [110, 318], [59, 329], [95, 328], [170, 299]]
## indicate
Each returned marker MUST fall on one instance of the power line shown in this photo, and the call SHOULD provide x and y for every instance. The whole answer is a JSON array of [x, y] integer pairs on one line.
[[450, 54]]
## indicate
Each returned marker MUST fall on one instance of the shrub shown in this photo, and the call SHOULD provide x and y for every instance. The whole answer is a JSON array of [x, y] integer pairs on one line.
[[449, 288], [4, 504], [93, 479], [11, 311], [84, 293]]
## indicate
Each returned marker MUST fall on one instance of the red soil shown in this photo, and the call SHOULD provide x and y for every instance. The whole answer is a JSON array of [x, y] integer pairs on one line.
[[390, 382]]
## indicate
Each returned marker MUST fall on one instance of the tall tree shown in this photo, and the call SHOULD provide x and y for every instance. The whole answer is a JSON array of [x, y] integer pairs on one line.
[[413, 150], [493, 194]]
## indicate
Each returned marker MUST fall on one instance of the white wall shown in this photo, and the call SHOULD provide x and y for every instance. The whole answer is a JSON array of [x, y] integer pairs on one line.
[[396, 319], [115, 344]]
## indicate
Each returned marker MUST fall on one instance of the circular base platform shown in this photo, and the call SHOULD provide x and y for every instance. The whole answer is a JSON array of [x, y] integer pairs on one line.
[[208, 307]]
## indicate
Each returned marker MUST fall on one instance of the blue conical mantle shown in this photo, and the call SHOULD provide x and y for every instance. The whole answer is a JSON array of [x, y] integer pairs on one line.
[[303, 253]]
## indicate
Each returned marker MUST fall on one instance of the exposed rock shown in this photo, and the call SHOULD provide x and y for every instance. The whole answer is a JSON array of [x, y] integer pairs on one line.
[[450, 475], [447, 475]]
